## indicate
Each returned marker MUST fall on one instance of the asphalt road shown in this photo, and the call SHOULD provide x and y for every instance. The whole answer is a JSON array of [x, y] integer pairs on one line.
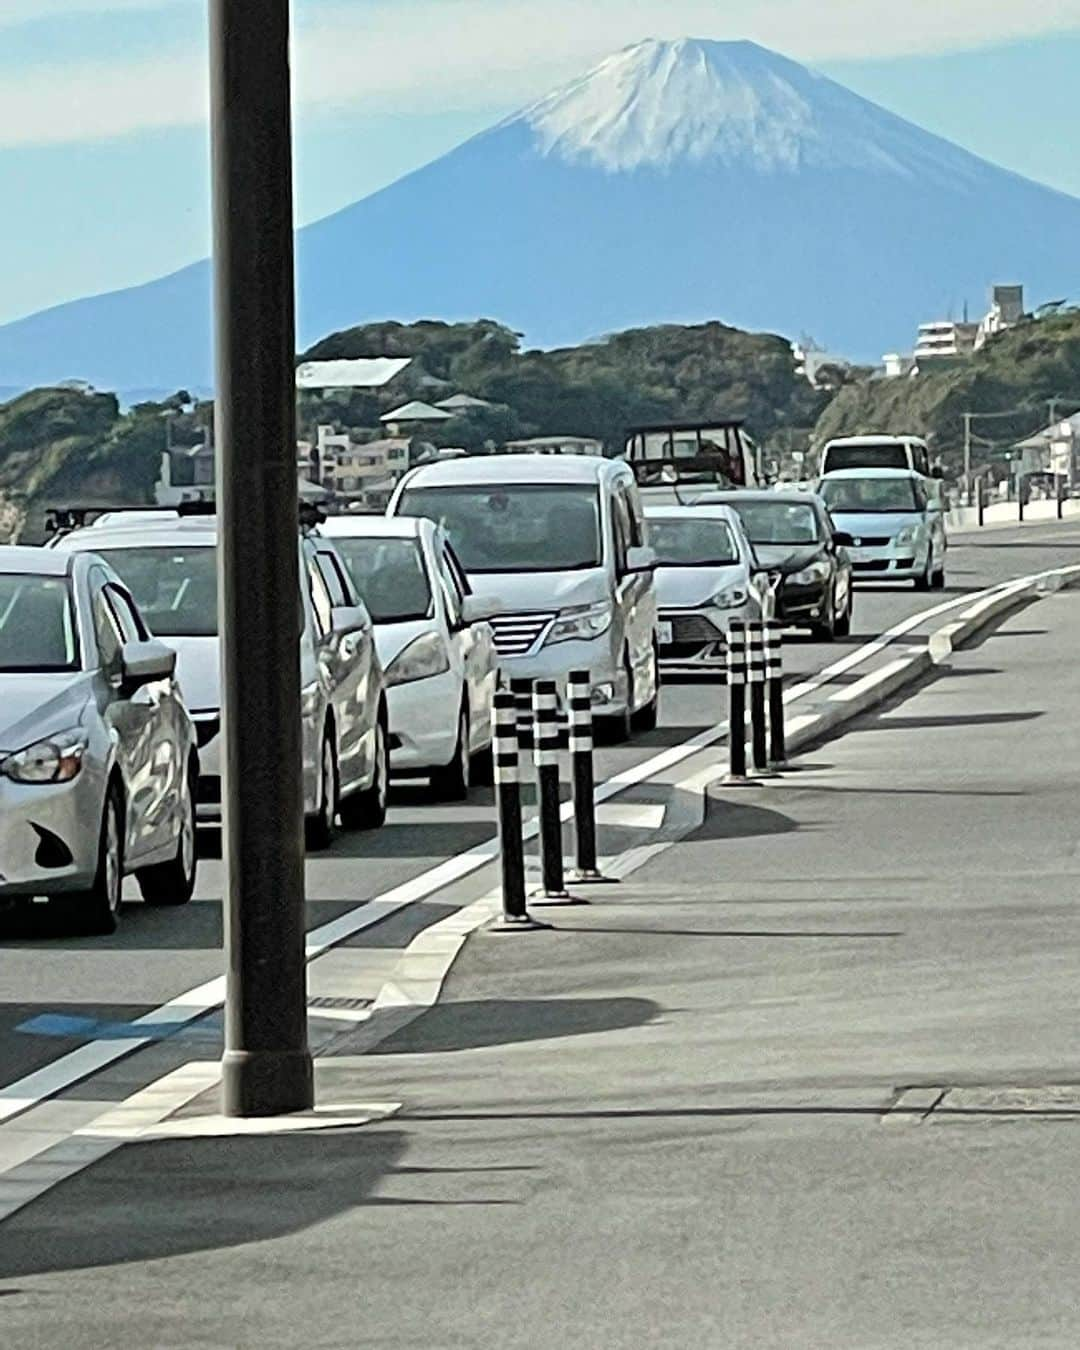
[[802, 1081], [158, 954]]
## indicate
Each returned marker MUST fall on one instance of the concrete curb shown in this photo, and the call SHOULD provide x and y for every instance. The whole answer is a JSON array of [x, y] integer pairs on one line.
[[880, 685]]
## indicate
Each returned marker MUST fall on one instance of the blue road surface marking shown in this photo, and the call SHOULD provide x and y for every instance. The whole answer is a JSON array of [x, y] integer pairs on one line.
[[89, 1029]]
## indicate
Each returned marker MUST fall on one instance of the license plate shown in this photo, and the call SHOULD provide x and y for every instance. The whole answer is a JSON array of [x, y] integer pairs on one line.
[[859, 555], [664, 634]]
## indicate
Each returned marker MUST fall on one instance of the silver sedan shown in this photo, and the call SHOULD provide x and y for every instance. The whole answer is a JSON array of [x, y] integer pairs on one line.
[[98, 763]]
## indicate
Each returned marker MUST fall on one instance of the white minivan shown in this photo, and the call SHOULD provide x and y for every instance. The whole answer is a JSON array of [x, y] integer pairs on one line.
[[876, 451], [559, 542]]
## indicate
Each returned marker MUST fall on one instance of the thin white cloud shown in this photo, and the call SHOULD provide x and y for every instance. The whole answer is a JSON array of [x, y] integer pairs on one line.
[[24, 11], [400, 56]]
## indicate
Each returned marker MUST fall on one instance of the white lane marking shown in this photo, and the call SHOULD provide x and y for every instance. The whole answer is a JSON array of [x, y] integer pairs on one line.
[[632, 815], [855, 691], [24, 1094]]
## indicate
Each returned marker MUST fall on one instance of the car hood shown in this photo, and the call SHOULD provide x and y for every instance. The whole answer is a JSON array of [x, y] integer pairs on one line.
[[519, 592], [879, 523], [690, 587], [198, 671], [34, 706], [391, 639], [787, 558]]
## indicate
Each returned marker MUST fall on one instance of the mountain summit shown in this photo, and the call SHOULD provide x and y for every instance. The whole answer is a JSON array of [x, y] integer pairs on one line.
[[675, 181], [659, 104]]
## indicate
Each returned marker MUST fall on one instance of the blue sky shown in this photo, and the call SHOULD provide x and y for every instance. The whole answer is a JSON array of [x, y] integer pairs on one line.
[[103, 145]]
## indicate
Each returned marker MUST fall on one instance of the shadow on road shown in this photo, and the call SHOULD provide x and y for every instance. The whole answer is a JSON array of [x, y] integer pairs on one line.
[[162, 1198], [472, 1025]]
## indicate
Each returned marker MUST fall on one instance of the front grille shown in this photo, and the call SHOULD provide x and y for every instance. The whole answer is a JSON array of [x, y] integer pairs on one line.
[[691, 628], [518, 634], [874, 565], [872, 541]]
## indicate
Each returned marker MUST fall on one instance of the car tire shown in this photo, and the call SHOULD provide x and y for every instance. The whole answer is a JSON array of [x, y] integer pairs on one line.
[[937, 581], [366, 810], [615, 730], [320, 829], [646, 718], [843, 623], [173, 883], [825, 632], [483, 767], [451, 782], [97, 911]]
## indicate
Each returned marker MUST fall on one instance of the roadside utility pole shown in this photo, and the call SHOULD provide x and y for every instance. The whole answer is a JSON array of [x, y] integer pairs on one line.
[[267, 1068], [967, 459]]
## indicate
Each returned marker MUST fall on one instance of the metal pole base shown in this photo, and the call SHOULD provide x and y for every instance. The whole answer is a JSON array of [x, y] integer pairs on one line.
[[525, 924], [553, 898], [591, 877], [266, 1082]]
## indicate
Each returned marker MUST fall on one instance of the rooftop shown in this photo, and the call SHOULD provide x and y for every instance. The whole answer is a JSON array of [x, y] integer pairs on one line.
[[416, 411]]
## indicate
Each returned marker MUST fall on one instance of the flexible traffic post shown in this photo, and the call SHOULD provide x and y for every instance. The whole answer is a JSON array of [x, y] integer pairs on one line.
[[579, 701], [546, 758], [1020, 499], [1059, 483], [736, 682], [755, 647], [774, 673], [515, 915], [981, 499]]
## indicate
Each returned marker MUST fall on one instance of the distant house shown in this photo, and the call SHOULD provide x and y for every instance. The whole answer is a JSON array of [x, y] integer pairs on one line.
[[944, 339], [462, 403], [1006, 310], [364, 471], [369, 372], [414, 417]]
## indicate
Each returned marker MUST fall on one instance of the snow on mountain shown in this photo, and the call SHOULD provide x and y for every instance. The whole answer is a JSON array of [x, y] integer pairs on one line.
[[677, 181]]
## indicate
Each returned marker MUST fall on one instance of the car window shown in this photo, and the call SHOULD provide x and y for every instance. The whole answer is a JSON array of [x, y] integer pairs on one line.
[[174, 585], [870, 495], [454, 564], [621, 529], [778, 522], [37, 628], [336, 584], [128, 620], [320, 599], [107, 631], [452, 593], [686, 541], [390, 574]]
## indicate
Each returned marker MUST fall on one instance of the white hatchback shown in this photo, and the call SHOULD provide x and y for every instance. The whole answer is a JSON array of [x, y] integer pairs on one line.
[[434, 642]]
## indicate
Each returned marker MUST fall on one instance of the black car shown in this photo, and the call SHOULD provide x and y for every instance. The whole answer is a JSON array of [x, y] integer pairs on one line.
[[793, 535]]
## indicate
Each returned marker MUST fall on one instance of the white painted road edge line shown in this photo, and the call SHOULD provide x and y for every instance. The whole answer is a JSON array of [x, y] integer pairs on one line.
[[26, 1093]]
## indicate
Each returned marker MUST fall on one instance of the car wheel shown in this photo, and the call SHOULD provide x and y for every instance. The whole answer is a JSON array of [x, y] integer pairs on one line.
[[843, 623], [616, 729], [173, 883], [452, 781], [924, 582], [825, 632], [98, 910], [320, 829], [646, 718], [937, 581], [367, 810]]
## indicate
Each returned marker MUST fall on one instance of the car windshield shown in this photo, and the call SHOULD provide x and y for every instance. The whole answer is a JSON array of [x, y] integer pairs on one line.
[[523, 527], [883, 455], [779, 522], [390, 575], [692, 543], [175, 586], [870, 495], [37, 628]]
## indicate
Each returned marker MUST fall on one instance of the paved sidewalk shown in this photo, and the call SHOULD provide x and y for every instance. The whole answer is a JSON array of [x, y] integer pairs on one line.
[[789, 1086]]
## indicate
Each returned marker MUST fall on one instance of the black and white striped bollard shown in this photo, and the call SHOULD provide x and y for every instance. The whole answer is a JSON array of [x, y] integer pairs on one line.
[[736, 683], [579, 702], [774, 673], [546, 758], [515, 915], [755, 651]]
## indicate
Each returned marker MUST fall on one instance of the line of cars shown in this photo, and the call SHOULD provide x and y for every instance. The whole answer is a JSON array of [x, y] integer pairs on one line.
[[533, 566]]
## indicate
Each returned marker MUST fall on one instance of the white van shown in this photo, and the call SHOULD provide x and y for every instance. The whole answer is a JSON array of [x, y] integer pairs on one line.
[[876, 452], [559, 542]]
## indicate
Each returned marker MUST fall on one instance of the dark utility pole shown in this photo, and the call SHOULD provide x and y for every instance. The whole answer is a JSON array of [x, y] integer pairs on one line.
[[267, 1067]]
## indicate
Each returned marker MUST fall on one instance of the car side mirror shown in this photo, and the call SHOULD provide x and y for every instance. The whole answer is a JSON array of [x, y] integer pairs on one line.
[[641, 558], [479, 609], [349, 619], [144, 662], [842, 539]]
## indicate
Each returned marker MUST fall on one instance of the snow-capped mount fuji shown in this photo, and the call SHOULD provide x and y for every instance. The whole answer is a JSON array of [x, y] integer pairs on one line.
[[676, 181]]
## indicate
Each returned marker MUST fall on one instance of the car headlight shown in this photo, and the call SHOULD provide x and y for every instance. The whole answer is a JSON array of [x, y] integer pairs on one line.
[[907, 535], [583, 621], [731, 597], [423, 657], [57, 759], [810, 576]]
